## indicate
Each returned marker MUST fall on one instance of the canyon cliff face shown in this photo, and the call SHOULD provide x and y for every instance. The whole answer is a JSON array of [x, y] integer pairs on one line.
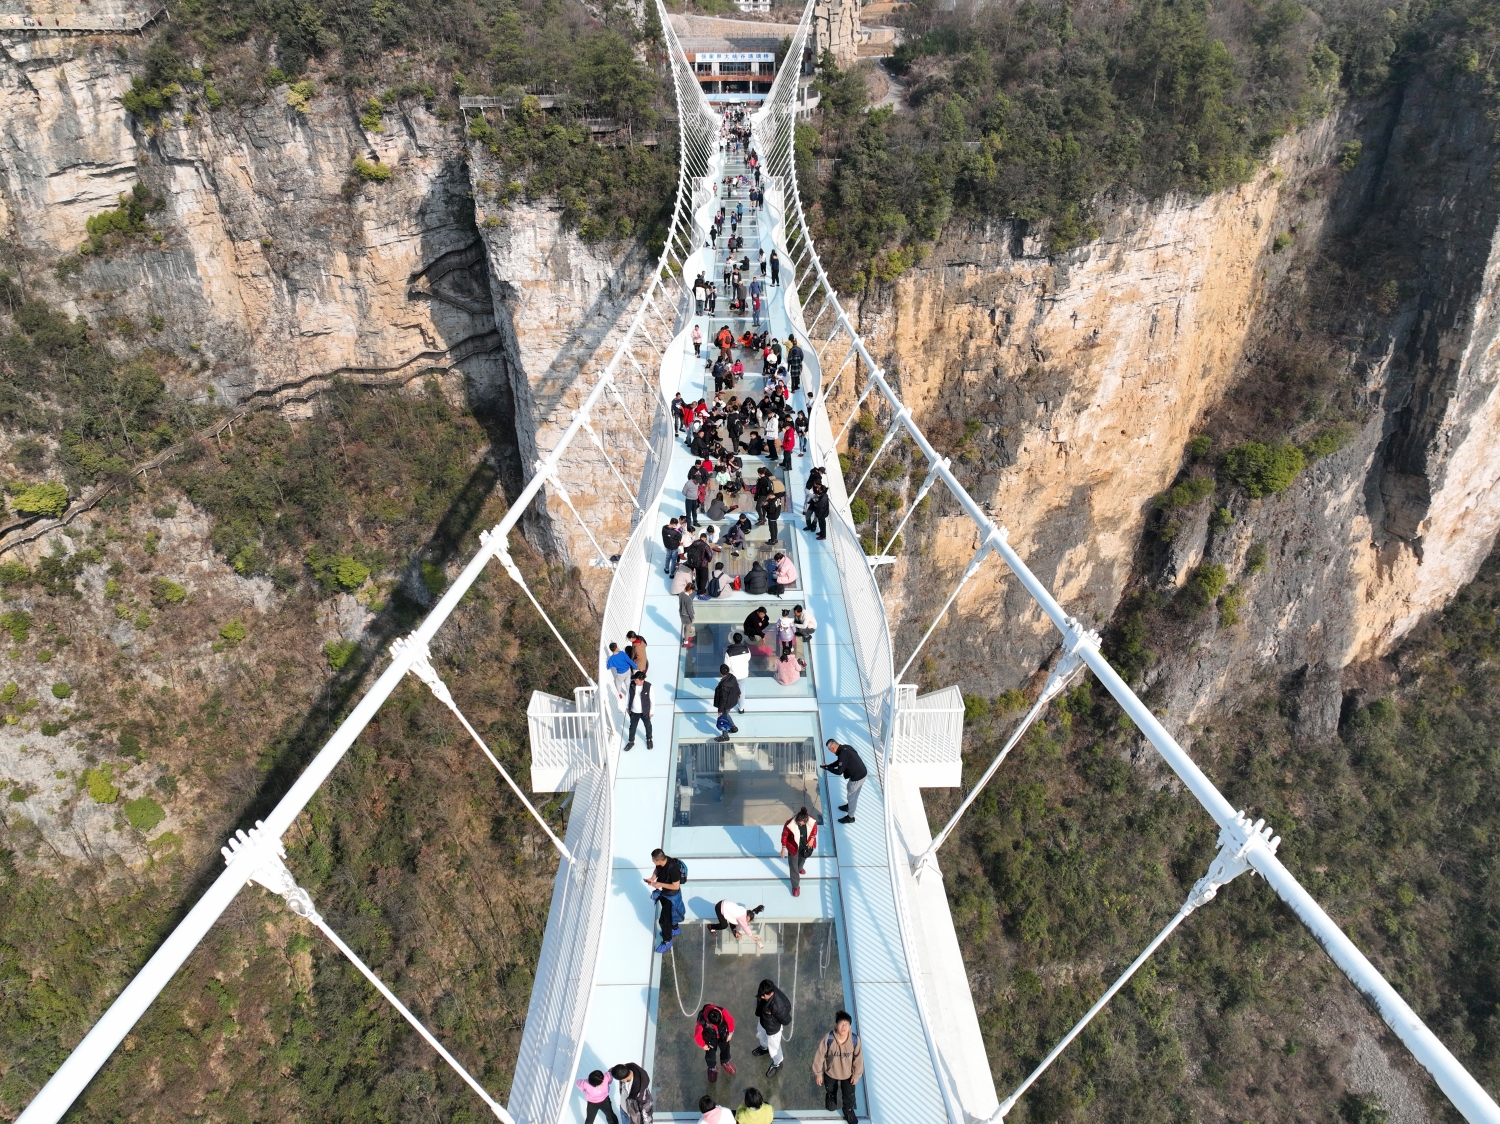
[[278, 268], [1090, 371], [563, 305]]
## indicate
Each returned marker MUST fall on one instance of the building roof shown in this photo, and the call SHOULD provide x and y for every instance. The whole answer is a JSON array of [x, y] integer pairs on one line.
[[716, 33]]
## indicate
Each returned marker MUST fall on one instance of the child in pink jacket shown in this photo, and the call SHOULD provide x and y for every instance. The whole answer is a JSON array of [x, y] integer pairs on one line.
[[595, 1090]]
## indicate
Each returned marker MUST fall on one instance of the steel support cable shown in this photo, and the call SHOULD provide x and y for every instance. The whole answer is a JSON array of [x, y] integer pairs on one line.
[[702, 975], [1456, 1082], [844, 366], [515, 575], [858, 402], [970, 570], [421, 667], [1065, 673], [624, 409], [926, 487], [270, 870], [903, 416], [1233, 859], [598, 444], [568, 499]]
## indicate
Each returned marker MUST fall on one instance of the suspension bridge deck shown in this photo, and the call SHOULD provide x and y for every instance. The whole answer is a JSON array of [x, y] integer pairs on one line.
[[837, 945]]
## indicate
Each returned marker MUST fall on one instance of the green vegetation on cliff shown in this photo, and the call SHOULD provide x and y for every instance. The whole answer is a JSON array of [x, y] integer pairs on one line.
[[215, 53], [1077, 856], [1032, 111]]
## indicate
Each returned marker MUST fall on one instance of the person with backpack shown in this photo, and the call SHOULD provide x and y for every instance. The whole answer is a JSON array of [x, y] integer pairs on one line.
[[666, 889], [671, 540], [848, 764], [700, 556], [838, 1065], [734, 916], [799, 839], [638, 706], [773, 1010], [635, 1091], [712, 1031], [595, 1090], [726, 698]]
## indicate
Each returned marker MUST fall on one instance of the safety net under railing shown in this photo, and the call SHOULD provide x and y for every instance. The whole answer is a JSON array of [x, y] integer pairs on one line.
[[564, 980], [1243, 845]]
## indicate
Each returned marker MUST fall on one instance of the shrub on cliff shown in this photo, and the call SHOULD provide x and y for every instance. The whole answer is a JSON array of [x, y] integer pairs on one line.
[[41, 499], [126, 219], [371, 172], [1263, 470]]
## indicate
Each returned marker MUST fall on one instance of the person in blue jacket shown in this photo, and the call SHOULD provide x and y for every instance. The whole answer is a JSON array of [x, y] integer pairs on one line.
[[620, 666]]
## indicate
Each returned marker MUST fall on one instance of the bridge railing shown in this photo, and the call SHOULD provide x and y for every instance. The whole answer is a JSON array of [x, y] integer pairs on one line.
[[1243, 846], [552, 1041]]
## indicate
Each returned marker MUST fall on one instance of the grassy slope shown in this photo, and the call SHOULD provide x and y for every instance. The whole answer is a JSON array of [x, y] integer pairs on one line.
[[1075, 857]]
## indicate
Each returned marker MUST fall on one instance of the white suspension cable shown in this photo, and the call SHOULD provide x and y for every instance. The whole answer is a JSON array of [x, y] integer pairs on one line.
[[267, 854], [1231, 861], [702, 975], [903, 416], [598, 444], [421, 667], [1066, 671], [503, 557], [562, 491], [624, 409], [858, 402], [969, 571], [932, 477]]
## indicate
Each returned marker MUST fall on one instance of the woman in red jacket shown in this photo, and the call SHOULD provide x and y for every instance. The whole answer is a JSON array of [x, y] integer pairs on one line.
[[714, 1030], [799, 838]]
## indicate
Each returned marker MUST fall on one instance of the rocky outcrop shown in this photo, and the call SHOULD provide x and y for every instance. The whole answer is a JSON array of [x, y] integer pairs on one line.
[[562, 306], [276, 265], [1089, 372]]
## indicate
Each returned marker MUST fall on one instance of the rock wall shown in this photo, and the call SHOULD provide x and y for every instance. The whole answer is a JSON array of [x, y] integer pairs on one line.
[[276, 265], [562, 305], [1089, 372]]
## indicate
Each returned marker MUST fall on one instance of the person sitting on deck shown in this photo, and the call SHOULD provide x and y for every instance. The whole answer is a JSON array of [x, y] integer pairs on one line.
[[757, 581], [757, 623]]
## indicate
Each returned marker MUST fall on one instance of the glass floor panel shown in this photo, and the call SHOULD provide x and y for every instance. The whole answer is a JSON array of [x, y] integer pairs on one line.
[[716, 624], [803, 958], [745, 781]]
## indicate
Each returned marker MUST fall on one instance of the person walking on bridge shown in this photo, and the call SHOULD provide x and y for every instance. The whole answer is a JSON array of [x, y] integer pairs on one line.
[[726, 698], [620, 666], [712, 1032], [848, 764], [775, 269], [635, 1092], [838, 1065], [687, 612], [638, 706], [799, 839], [666, 887], [773, 1010]]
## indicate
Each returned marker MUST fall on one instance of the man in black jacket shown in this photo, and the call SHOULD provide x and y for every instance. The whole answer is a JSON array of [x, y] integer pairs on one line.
[[671, 538], [772, 1012], [818, 509], [638, 706], [757, 623], [700, 556], [726, 698], [772, 512], [847, 764]]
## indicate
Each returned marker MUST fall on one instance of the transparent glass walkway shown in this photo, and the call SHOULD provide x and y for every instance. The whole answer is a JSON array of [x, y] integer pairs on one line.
[[721, 811]]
